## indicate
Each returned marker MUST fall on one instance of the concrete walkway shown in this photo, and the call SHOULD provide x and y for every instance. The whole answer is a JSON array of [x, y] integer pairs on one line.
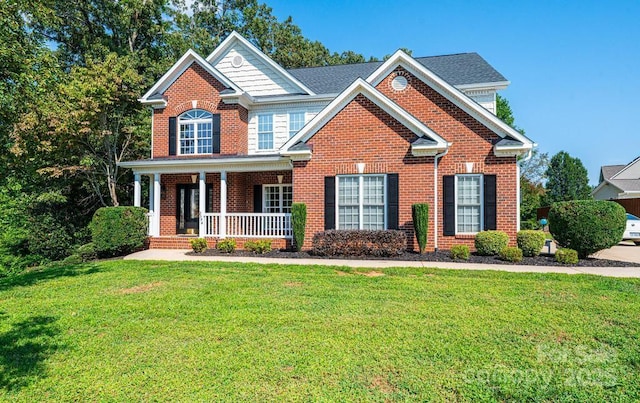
[[180, 255]]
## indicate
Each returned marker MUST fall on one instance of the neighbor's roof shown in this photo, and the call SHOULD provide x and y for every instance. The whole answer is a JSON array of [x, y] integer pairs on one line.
[[609, 170], [458, 69], [626, 185]]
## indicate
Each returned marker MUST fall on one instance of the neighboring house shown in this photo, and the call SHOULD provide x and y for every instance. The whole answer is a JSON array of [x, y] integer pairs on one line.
[[619, 182], [236, 139]]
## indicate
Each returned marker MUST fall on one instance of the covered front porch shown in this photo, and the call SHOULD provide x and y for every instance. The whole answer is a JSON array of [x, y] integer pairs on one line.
[[217, 197]]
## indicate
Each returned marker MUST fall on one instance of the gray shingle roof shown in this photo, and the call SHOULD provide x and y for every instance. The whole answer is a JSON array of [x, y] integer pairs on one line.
[[609, 170], [458, 69], [509, 142], [422, 141]]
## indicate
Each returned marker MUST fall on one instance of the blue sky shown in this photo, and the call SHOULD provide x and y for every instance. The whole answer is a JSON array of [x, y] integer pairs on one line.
[[574, 66]]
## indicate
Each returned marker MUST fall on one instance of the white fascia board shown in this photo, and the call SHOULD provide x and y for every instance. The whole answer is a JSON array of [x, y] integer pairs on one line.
[[356, 88], [603, 184], [302, 155], [629, 195], [498, 85], [234, 36], [155, 103], [231, 164], [244, 99], [428, 151], [510, 151], [285, 99], [629, 166], [180, 67], [448, 91]]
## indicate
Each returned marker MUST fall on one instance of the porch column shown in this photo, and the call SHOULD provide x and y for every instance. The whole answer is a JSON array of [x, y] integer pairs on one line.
[[156, 204], [136, 190], [202, 205], [223, 204], [151, 221]]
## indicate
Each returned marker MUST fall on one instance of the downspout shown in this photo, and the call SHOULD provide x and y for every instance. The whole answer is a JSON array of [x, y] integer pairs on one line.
[[435, 195], [518, 195]]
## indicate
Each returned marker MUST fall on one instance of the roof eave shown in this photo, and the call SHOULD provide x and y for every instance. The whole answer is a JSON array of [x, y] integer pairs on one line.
[[428, 151], [511, 151]]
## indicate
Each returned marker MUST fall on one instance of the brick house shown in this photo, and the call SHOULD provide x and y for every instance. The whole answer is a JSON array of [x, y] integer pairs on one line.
[[236, 139]]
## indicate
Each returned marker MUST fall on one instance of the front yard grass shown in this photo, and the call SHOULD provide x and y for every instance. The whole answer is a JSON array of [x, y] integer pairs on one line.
[[128, 330]]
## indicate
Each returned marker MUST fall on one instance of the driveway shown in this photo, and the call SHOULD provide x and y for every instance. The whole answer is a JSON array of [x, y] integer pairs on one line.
[[625, 252]]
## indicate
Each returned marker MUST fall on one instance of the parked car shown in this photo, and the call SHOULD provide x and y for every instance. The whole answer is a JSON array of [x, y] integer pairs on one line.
[[632, 232]]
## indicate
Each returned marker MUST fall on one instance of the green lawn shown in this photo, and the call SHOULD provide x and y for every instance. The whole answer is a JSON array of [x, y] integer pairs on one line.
[[125, 330]]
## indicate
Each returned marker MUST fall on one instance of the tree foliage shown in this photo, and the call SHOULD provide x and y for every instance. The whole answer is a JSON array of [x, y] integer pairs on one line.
[[567, 179]]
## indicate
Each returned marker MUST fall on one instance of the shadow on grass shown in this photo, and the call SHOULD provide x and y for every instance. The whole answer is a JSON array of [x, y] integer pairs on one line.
[[47, 272], [23, 350]]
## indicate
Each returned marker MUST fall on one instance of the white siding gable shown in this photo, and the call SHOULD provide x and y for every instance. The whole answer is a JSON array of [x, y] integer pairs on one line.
[[486, 99], [280, 123], [254, 76]]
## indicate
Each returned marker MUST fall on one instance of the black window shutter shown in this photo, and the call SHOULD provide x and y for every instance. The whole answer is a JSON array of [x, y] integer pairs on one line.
[[490, 205], [449, 196], [392, 201], [257, 198], [329, 202], [215, 133], [173, 132]]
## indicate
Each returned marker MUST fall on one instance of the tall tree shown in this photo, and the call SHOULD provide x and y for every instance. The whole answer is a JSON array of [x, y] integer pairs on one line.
[[567, 179]]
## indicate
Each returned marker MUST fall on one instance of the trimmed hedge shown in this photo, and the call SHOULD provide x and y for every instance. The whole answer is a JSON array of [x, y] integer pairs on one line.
[[566, 256], [198, 245], [118, 231], [531, 242], [460, 252], [511, 254], [299, 223], [420, 217], [359, 243], [587, 226], [490, 243]]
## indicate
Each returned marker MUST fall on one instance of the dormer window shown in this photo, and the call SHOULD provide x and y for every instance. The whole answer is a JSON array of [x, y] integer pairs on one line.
[[195, 132]]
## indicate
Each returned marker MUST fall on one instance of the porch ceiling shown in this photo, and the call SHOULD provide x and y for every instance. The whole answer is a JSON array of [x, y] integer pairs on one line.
[[218, 164]]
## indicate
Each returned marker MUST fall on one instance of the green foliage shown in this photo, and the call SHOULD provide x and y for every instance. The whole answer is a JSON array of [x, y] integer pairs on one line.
[[460, 252], [299, 223], [567, 179], [566, 256], [587, 226], [198, 245], [227, 245], [490, 243], [359, 243], [87, 252], [531, 242], [420, 216], [511, 254], [530, 224], [260, 246], [118, 231]]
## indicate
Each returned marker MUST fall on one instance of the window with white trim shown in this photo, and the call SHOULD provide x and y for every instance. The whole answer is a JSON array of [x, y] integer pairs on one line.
[[195, 132], [361, 201], [296, 122], [265, 132], [469, 201], [277, 198]]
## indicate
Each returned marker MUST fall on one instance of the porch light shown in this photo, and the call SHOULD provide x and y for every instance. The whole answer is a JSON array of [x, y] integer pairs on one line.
[[194, 178], [280, 178]]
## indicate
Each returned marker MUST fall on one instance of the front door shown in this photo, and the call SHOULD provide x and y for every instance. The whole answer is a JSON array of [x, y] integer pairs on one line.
[[187, 213]]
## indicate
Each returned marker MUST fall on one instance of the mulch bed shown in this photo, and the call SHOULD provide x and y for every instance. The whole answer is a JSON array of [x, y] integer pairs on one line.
[[441, 256]]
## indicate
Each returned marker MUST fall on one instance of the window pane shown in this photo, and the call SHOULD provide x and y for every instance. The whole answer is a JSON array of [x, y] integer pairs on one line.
[[373, 217], [468, 194], [296, 122], [348, 190], [374, 190], [348, 217], [187, 143], [287, 198], [265, 132], [205, 144], [271, 199]]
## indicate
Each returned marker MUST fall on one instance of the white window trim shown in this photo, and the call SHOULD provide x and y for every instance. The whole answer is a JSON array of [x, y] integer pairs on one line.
[[280, 187], [258, 132], [361, 199], [455, 188], [196, 137], [304, 122]]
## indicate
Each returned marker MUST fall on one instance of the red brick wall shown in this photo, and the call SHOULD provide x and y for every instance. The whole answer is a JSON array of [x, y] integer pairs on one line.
[[362, 132], [195, 84]]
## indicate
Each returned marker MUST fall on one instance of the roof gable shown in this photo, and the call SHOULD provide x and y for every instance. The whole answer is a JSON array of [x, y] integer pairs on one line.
[[361, 87], [454, 95], [630, 171], [154, 95], [252, 70]]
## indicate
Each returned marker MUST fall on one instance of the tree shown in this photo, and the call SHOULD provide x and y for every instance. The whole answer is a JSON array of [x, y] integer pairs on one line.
[[567, 179]]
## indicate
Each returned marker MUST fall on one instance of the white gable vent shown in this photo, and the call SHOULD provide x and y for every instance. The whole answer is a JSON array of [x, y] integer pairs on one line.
[[399, 83], [237, 61]]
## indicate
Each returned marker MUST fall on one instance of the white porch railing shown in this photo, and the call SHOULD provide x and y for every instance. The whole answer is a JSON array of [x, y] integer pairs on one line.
[[250, 225]]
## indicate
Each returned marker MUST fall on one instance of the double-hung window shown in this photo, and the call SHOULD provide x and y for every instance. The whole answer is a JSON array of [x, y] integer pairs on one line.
[[296, 122], [361, 202], [277, 198], [265, 132], [468, 204], [196, 136]]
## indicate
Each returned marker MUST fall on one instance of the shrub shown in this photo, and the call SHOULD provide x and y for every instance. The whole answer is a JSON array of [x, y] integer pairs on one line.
[[420, 216], [199, 245], [299, 223], [87, 252], [359, 243], [531, 242], [460, 252], [530, 224], [261, 246], [118, 231], [511, 254], [567, 256], [587, 226], [227, 245], [490, 243]]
